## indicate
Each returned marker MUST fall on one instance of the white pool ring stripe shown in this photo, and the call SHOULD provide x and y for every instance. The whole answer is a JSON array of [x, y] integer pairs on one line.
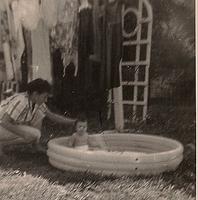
[[151, 169], [97, 155], [124, 165]]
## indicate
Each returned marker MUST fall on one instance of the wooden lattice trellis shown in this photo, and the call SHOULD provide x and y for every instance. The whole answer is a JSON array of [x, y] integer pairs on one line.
[[131, 98]]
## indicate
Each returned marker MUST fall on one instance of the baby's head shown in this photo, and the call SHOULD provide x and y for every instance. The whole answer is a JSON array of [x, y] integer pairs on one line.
[[81, 124]]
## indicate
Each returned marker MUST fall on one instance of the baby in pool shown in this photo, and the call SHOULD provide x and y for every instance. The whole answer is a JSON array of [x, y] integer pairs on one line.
[[80, 139]]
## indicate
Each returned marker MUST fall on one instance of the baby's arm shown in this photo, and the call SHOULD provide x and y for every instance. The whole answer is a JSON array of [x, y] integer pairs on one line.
[[71, 142]]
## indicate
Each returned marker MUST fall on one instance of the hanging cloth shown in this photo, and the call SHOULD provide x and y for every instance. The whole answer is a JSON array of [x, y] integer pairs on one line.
[[57, 70], [2, 5], [84, 4], [67, 10], [11, 38], [97, 36], [2, 60], [2, 65], [16, 15], [4, 29], [17, 38], [64, 35], [114, 43], [111, 44], [41, 64], [85, 47], [8, 63], [29, 13], [49, 12], [28, 53], [26, 59], [20, 50]]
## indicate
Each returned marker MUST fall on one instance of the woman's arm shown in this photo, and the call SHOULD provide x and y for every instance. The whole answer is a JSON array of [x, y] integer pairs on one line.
[[59, 118]]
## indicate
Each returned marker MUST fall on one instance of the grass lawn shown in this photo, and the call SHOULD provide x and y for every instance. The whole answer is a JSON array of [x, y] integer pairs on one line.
[[25, 174]]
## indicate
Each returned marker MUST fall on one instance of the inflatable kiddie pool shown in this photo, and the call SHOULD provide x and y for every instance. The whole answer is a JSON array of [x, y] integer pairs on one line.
[[128, 154]]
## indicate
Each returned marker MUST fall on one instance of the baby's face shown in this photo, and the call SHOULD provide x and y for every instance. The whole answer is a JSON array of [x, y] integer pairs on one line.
[[81, 127]]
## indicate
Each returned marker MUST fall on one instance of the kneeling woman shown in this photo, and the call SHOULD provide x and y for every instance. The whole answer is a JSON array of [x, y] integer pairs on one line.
[[21, 115]]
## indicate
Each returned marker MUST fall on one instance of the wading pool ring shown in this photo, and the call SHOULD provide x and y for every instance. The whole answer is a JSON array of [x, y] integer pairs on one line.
[[128, 154]]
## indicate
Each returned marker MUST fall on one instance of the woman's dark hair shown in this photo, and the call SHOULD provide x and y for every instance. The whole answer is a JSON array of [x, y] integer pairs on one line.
[[38, 85]]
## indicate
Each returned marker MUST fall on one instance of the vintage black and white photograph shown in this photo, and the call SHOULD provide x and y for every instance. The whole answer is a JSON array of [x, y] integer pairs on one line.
[[97, 100]]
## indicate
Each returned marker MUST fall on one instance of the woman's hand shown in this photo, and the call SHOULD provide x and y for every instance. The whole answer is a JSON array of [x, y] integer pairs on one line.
[[60, 119]]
